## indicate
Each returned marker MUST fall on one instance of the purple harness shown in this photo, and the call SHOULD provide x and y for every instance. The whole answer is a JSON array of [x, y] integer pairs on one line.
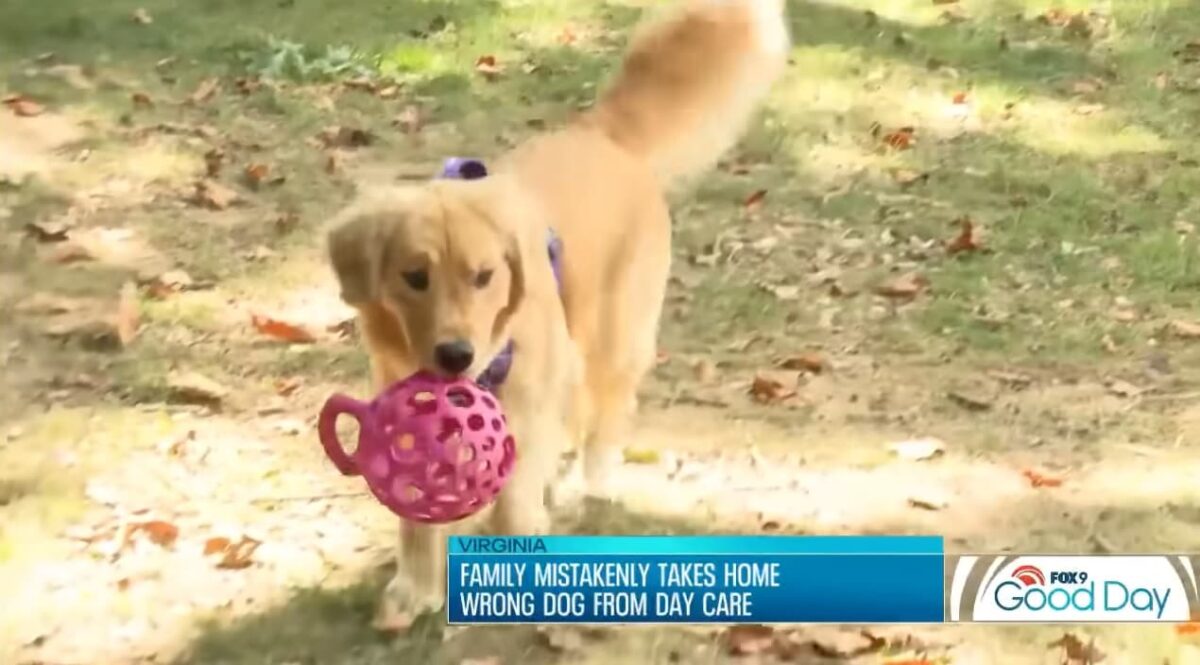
[[460, 168]]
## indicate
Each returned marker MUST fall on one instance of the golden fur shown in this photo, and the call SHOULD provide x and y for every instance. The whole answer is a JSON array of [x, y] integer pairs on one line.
[[465, 261]]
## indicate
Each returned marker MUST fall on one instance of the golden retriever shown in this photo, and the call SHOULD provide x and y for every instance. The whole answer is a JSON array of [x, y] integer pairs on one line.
[[444, 275]]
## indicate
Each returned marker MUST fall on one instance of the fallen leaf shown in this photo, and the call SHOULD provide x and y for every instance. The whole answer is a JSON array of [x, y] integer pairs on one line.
[[389, 92], [23, 107], [247, 85], [966, 240], [1185, 329], [705, 370], [142, 17], [1011, 379], [286, 222], [71, 252], [1162, 80], [48, 231], [409, 120], [168, 283], [214, 159], [917, 450], [1075, 652], [782, 291], [196, 388], [906, 177], [141, 100], [213, 195], [959, 98], [1037, 479], [842, 644], [281, 330], [1124, 388], [488, 67], [1189, 628], [969, 401], [163, 534], [256, 173], [755, 200], [72, 75], [287, 387], [234, 556], [128, 315], [766, 390], [1054, 17], [345, 137], [205, 91], [928, 503], [749, 639], [1087, 86], [641, 456], [811, 362], [901, 139], [1089, 109], [906, 286]]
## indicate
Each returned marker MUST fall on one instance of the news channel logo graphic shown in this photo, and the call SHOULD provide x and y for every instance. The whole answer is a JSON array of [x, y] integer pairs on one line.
[[1072, 589]]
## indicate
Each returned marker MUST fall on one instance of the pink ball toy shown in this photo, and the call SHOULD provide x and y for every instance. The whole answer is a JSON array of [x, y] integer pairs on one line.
[[432, 449]]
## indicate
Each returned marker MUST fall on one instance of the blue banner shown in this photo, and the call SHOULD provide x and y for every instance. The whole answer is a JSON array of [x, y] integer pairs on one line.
[[696, 579]]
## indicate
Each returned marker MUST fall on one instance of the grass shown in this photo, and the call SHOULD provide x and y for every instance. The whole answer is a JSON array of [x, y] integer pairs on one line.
[[1075, 156]]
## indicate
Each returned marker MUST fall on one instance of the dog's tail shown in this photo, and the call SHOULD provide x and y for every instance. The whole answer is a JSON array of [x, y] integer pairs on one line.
[[691, 80]]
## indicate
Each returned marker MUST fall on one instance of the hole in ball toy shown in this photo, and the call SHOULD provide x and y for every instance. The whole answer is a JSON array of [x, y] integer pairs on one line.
[[459, 396], [510, 453], [441, 472], [406, 492], [496, 424], [466, 454], [489, 445], [423, 403], [451, 429], [476, 422], [489, 402], [348, 432]]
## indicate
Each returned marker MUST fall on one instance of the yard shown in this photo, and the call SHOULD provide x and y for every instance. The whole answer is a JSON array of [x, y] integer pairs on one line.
[[947, 284]]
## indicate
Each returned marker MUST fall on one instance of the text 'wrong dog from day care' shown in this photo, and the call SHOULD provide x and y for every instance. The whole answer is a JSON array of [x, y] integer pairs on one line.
[[646, 591]]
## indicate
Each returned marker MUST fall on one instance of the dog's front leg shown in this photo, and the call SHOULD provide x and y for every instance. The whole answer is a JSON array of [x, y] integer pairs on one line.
[[521, 507]]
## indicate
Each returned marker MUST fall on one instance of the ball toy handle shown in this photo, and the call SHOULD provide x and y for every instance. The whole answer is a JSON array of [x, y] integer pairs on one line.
[[336, 406]]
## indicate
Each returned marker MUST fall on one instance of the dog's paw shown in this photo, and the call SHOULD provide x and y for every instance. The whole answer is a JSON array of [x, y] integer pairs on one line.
[[402, 603]]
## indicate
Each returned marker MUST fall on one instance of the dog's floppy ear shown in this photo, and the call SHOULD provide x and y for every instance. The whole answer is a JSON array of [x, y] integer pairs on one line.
[[356, 246], [514, 257]]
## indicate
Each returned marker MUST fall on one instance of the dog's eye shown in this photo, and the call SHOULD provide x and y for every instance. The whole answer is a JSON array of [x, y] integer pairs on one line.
[[417, 279], [483, 278]]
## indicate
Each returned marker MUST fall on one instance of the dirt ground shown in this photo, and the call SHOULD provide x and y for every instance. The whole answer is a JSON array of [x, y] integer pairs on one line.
[[946, 285]]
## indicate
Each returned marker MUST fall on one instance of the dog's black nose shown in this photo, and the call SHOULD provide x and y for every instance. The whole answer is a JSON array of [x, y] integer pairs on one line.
[[454, 357]]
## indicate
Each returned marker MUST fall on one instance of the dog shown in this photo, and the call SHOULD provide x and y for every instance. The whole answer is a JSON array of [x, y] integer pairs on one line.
[[448, 275]]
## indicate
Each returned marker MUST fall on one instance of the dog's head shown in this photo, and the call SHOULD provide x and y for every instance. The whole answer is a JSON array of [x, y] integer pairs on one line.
[[444, 259]]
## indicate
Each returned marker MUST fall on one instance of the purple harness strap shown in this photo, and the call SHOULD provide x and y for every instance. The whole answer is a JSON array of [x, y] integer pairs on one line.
[[460, 168]]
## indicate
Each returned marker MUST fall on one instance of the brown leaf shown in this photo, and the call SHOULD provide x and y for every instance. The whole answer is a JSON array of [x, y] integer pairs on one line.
[[969, 401], [142, 17], [959, 98], [966, 240], [906, 177], [362, 83], [928, 503], [234, 556], [163, 534], [766, 390], [247, 85], [168, 283], [489, 67], [48, 231], [128, 315], [213, 160], [345, 137], [409, 120], [286, 221], [193, 387], [748, 640], [71, 252], [332, 163], [906, 286], [755, 200], [256, 173], [1185, 329], [901, 139], [287, 387], [1055, 17], [213, 195], [1189, 628], [205, 91], [141, 100], [1037, 479], [281, 330], [811, 362], [22, 106], [843, 644], [1075, 652]]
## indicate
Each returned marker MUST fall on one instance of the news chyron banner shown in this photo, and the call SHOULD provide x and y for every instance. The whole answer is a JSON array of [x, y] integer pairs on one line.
[[695, 579]]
